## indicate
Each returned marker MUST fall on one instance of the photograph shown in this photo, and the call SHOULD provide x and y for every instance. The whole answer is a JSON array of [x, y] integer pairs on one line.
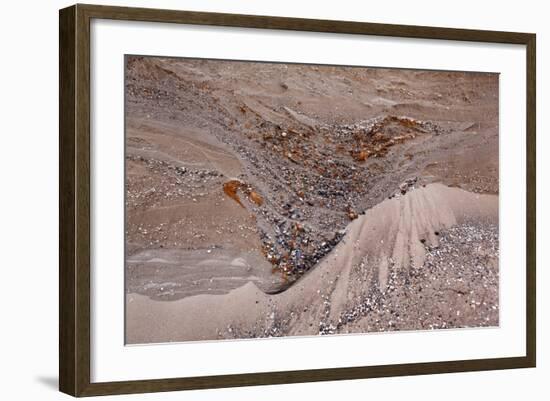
[[280, 199]]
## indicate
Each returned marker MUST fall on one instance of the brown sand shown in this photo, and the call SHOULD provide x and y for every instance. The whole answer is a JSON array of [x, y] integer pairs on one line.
[[389, 238], [313, 147]]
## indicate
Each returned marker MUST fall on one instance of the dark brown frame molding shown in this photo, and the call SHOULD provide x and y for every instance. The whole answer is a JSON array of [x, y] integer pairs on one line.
[[74, 199]]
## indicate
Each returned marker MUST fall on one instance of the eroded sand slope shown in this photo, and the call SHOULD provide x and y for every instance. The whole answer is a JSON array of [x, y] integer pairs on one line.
[[271, 199], [388, 244]]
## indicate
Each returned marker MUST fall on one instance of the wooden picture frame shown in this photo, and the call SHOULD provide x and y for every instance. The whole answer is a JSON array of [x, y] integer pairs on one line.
[[74, 200]]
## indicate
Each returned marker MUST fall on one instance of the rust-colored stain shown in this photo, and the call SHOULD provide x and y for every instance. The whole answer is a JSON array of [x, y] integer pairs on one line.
[[230, 188], [381, 139], [360, 156], [256, 198]]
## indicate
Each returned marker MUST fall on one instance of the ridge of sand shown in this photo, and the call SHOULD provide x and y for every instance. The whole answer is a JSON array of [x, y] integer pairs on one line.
[[389, 237]]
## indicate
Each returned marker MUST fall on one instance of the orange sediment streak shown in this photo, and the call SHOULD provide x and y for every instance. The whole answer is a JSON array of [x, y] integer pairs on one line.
[[256, 198], [230, 188]]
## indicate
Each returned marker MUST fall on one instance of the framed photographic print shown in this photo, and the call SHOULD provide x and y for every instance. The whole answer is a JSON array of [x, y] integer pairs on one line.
[[250, 200]]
